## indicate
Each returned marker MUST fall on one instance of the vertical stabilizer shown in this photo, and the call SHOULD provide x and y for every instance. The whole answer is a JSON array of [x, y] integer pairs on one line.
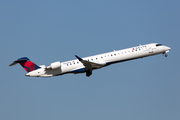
[[26, 64]]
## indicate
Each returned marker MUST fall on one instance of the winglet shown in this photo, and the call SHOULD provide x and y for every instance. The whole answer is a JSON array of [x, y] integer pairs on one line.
[[80, 59]]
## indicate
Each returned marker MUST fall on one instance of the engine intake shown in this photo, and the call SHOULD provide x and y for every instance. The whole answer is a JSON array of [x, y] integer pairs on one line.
[[54, 65]]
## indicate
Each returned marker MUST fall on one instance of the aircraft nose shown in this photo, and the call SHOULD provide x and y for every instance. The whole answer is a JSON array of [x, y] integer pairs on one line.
[[168, 48]]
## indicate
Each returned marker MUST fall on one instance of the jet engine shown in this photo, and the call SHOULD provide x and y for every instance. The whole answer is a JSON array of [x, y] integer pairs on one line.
[[54, 65]]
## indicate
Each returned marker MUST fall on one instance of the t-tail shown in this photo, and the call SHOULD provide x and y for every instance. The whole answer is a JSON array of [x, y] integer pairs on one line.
[[26, 64]]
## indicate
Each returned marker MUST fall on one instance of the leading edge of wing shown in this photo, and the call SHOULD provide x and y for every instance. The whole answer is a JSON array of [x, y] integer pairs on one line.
[[90, 65]]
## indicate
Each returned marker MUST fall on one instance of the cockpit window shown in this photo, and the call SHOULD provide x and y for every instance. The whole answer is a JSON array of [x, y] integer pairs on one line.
[[158, 44]]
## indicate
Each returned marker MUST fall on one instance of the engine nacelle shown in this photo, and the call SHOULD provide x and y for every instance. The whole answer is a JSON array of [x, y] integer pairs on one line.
[[54, 65]]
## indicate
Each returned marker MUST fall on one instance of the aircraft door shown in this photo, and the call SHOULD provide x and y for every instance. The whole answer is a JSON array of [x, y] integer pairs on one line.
[[150, 49]]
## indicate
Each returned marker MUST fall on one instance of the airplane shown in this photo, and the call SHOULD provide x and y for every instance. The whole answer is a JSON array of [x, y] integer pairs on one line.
[[88, 64]]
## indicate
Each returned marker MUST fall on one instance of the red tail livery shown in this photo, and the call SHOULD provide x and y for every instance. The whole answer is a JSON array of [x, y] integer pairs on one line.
[[26, 64]]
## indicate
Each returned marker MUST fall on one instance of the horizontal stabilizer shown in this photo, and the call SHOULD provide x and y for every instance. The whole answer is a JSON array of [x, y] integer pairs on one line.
[[24, 59]]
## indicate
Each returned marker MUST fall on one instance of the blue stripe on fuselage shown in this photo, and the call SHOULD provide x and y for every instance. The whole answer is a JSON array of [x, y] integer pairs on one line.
[[78, 70]]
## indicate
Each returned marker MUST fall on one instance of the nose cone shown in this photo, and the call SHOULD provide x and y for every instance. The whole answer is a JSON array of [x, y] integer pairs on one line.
[[168, 48]]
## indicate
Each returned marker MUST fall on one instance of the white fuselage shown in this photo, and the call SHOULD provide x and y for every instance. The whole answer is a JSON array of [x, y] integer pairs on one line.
[[76, 66]]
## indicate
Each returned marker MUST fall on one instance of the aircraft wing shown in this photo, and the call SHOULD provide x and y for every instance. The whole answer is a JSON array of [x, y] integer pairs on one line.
[[90, 65]]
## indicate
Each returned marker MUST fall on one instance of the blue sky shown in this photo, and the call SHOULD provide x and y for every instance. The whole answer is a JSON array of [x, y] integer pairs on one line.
[[48, 31]]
